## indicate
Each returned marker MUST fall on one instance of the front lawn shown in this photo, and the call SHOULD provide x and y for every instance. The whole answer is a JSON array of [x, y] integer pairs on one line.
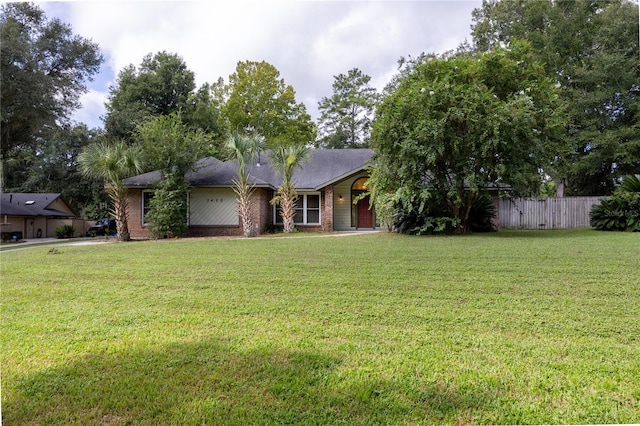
[[512, 327]]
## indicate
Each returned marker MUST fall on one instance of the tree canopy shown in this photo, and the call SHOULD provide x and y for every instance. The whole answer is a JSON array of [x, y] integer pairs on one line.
[[590, 49], [170, 146], [457, 125], [346, 116], [43, 71], [160, 86], [260, 101]]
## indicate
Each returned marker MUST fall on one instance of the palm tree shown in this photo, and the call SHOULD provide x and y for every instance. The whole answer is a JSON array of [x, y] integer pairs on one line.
[[113, 162], [244, 148], [285, 160]]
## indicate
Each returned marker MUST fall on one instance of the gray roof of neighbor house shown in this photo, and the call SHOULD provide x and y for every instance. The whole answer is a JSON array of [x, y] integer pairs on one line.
[[32, 204], [323, 167]]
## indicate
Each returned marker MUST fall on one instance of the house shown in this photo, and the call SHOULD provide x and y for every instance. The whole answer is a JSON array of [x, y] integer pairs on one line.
[[327, 183], [35, 215]]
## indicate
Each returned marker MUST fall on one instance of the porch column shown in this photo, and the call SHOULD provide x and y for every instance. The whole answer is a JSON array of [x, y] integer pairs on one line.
[[327, 210]]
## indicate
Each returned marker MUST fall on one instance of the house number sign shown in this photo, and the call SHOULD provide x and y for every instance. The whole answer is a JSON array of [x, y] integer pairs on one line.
[[215, 200]]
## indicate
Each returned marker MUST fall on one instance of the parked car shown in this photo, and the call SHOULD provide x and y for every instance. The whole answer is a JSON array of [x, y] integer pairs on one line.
[[102, 227]]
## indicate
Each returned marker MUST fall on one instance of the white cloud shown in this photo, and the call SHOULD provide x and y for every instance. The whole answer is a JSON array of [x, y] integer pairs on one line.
[[93, 108], [307, 41]]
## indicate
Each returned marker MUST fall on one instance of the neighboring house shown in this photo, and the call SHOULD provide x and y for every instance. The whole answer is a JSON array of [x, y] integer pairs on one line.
[[36, 215], [326, 183]]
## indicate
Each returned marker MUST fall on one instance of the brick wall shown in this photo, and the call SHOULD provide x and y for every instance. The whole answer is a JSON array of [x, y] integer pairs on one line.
[[262, 211], [134, 215], [214, 231]]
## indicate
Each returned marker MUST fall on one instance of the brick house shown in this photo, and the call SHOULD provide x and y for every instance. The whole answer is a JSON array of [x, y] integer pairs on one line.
[[327, 183]]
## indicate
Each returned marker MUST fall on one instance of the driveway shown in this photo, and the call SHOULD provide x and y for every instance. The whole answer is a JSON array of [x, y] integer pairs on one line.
[[46, 242]]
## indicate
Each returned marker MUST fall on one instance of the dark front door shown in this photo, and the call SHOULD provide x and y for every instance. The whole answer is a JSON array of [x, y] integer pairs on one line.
[[365, 214]]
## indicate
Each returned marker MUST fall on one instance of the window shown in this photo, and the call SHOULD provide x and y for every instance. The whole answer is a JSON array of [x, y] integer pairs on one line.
[[146, 205], [307, 210]]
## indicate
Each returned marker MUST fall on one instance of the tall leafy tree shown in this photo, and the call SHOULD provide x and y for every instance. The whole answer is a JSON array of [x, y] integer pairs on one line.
[[112, 163], [171, 147], [44, 68], [204, 111], [590, 49], [260, 101], [285, 160], [346, 117], [55, 168], [160, 86], [244, 149], [454, 126]]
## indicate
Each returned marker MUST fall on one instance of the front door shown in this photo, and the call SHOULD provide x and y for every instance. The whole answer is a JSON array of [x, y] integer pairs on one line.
[[365, 214]]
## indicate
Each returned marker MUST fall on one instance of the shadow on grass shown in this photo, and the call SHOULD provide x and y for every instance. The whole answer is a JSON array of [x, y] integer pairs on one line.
[[211, 383]]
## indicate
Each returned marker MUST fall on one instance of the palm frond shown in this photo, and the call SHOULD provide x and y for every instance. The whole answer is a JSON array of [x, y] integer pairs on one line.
[[630, 183]]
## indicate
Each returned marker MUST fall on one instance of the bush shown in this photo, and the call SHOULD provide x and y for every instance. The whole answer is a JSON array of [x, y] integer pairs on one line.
[[65, 231], [413, 222], [168, 213], [620, 211], [482, 215], [431, 219], [422, 218]]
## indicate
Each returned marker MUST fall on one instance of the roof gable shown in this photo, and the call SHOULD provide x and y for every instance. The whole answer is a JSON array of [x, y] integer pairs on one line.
[[327, 166], [34, 204]]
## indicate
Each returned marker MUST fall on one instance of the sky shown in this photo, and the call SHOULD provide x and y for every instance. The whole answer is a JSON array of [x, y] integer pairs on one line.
[[309, 42]]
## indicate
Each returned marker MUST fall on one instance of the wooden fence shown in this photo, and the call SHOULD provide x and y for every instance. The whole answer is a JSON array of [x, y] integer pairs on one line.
[[545, 213]]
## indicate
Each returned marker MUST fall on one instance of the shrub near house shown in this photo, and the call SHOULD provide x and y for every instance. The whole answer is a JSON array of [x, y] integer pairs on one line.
[[65, 231]]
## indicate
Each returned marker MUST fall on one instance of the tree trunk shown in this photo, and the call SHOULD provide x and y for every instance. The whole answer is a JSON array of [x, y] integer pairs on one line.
[[463, 214], [118, 196], [121, 221], [287, 204], [246, 217]]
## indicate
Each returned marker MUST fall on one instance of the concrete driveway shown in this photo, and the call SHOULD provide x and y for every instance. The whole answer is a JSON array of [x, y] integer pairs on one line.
[[46, 242]]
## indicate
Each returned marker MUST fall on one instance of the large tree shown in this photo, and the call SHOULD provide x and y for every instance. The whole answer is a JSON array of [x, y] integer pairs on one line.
[[43, 71], [111, 163], [160, 86], [204, 111], [171, 147], [454, 126], [590, 49], [346, 117], [260, 101]]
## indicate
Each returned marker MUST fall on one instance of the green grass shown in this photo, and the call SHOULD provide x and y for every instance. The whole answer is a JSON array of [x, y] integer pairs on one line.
[[532, 327]]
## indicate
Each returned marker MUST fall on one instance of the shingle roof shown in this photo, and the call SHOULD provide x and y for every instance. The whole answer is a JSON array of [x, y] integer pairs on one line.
[[322, 168], [327, 166], [31, 204]]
